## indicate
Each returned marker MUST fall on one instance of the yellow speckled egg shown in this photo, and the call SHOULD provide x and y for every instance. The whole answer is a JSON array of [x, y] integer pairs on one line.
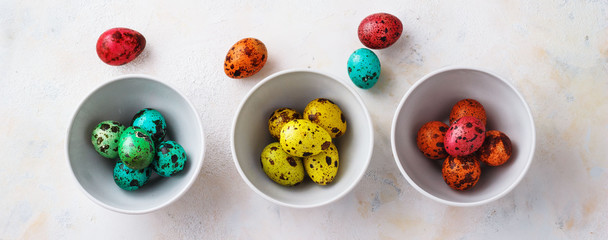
[[327, 114], [281, 167], [278, 118], [323, 167], [245, 58], [301, 138]]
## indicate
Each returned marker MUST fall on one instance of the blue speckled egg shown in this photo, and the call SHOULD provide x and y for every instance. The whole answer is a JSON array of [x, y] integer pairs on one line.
[[135, 148], [170, 159], [152, 122], [129, 179], [364, 68], [105, 138]]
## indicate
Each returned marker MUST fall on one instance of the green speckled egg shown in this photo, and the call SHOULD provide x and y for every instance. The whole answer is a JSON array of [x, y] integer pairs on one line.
[[327, 114], [129, 179], [170, 159], [303, 138], [105, 138], [135, 148], [364, 68], [152, 122], [323, 167], [281, 167]]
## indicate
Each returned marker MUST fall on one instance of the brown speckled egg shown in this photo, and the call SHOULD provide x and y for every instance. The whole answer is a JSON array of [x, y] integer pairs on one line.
[[430, 139], [468, 107], [245, 58], [496, 148], [461, 173]]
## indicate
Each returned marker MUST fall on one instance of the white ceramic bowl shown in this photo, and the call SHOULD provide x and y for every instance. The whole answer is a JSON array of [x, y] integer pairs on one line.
[[294, 89], [431, 98], [120, 99]]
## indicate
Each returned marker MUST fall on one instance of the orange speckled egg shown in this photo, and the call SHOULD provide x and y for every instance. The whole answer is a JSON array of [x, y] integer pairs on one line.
[[245, 58], [461, 173], [496, 148], [430, 139], [468, 107]]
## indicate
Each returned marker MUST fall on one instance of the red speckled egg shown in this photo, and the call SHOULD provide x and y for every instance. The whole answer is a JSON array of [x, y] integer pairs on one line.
[[496, 148], [245, 58], [464, 136], [379, 30], [468, 107], [119, 46], [430, 139], [461, 173]]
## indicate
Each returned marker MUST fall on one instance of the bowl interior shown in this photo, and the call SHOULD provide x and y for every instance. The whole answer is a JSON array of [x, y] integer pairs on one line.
[[120, 100], [295, 89], [432, 99]]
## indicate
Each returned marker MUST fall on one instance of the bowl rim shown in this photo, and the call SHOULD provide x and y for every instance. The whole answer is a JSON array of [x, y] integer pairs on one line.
[[197, 168], [441, 200], [365, 113]]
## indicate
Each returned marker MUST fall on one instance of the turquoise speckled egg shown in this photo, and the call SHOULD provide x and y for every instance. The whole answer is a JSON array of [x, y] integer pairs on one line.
[[170, 159], [105, 138], [135, 148], [364, 68], [152, 122], [129, 179]]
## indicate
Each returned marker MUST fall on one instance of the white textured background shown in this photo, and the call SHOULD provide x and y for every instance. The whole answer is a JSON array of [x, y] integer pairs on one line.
[[554, 52]]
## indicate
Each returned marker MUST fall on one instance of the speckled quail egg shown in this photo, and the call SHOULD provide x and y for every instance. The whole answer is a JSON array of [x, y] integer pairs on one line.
[[327, 114], [170, 159], [464, 136], [363, 68], [151, 121], [135, 148], [130, 179], [496, 149], [323, 167], [430, 139], [461, 172], [278, 118], [468, 107], [303, 138], [245, 58], [281, 167], [105, 138]]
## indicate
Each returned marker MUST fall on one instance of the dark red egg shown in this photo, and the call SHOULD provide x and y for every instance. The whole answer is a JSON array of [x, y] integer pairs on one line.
[[380, 30]]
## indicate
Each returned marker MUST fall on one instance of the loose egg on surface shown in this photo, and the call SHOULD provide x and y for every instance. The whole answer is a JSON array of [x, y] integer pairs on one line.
[[105, 138], [461, 173], [323, 167], [303, 138], [118, 46], [496, 148], [129, 179], [281, 167], [170, 159], [468, 107], [464, 136], [380, 30], [245, 58], [135, 148], [430, 139], [327, 114], [278, 118], [151, 121], [363, 68]]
